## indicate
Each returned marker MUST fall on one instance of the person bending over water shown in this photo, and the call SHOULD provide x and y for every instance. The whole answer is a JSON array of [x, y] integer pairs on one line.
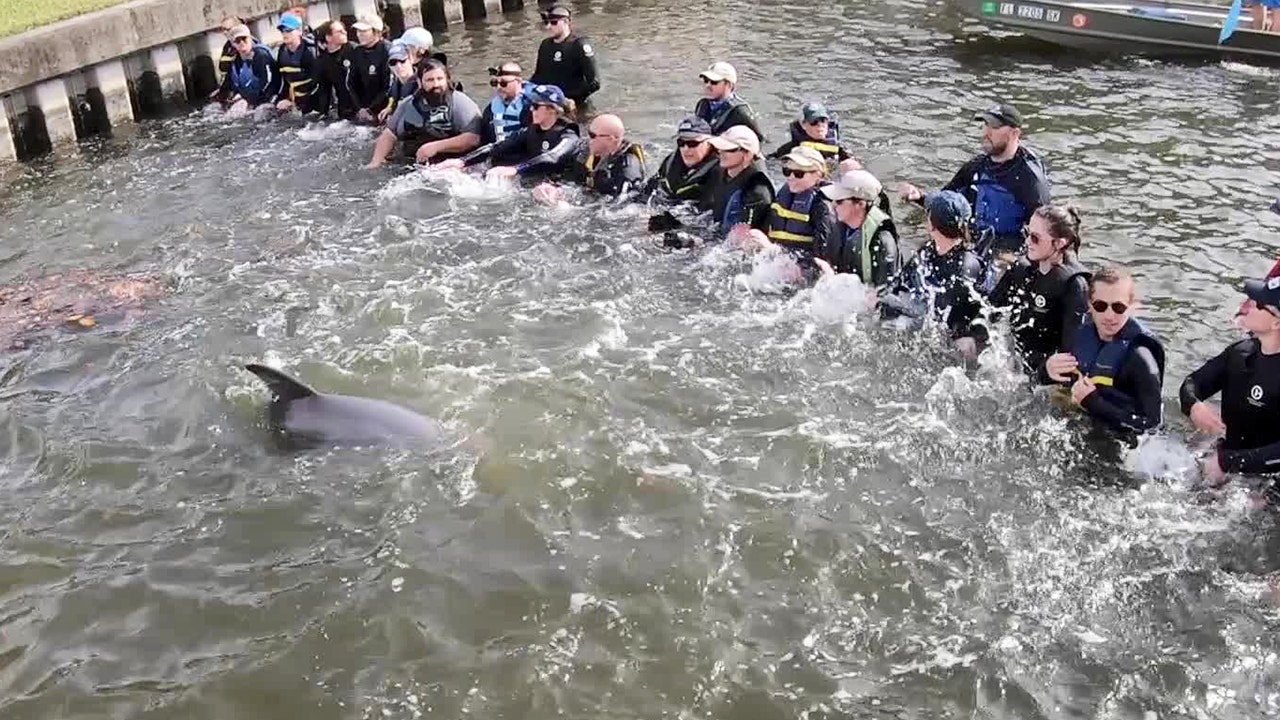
[[941, 280], [543, 150], [1116, 362], [437, 123], [1046, 294], [1247, 374]]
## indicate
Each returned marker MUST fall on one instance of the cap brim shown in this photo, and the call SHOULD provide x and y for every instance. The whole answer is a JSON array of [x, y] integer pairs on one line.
[[835, 192], [693, 136], [1255, 289], [361, 26], [713, 77]]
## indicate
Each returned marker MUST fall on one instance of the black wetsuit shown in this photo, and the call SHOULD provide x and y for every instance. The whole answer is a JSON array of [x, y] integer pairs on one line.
[[727, 113], [676, 182], [950, 280], [619, 173], [535, 153], [1250, 385], [369, 64], [744, 198], [337, 85], [298, 75], [1003, 195], [570, 64], [1045, 310]]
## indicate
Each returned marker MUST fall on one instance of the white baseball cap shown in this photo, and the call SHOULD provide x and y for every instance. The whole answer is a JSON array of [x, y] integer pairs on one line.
[[368, 22], [738, 137], [720, 71]]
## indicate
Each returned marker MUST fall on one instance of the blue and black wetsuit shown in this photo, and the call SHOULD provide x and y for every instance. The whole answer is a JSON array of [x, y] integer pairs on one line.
[[256, 80], [1128, 372], [1003, 196]]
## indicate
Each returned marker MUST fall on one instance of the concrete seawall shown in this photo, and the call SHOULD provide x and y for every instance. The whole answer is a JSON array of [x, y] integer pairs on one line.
[[84, 76]]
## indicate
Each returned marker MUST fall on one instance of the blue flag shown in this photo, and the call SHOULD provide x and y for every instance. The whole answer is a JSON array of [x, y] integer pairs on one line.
[[1231, 23]]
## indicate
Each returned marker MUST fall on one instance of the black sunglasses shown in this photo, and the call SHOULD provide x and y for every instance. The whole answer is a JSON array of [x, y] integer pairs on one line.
[[394, 63], [795, 172], [501, 83], [1118, 308], [689, 143], [240, 40], [709, 81], [549, 21]]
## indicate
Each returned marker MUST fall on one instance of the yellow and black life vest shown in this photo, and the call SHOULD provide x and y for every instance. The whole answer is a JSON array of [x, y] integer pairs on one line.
[[790, 221]]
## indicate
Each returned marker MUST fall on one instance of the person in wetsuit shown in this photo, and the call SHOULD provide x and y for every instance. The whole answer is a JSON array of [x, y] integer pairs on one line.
[[509, 110], [370, 60], [437, 123], [865, 240], [818, 130], [1247, 374], [297, 63], [1116, 362], [1046, 293], [337, 84], [742, 194], [940, 281], [1004, 184], [543, 150], [720, 104], [404, 78], [566, 59], [801, 220], [606, 164], [685, 175], [253, 76]]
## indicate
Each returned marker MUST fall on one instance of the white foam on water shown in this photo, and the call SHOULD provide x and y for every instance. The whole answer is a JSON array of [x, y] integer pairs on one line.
[[1244, 69], [837, 298], [771, 272], [1161, 457]]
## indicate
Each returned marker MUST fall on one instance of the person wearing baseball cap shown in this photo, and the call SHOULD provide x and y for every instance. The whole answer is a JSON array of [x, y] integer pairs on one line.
[[253, 76], [369, 63], [685, 175], [1247, 374], [800, 220], [865, 242], [1115, 367], [940, 282], [818, 130], [742, 193], [1004, 184], [565, 58], [542, 150], [720, 104], [509, 110], [296, 61]]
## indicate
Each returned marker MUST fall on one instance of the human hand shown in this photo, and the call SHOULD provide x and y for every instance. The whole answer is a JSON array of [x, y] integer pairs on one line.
[[383, 114], [451, 164], [425, 153], [909, 192], [284, 105], [967, 346], [501, 172], [824, 267], [1207, 419], [850, 164], [1211, 470], [364, 115], [1082, 389], [548, 194], [1059, 366]]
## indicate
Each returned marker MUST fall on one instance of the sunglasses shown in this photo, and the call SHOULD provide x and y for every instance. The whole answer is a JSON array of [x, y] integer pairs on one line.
[[394, 63], [241, 40], [816, 122], [594, 136], [688, 143], [1118, 308], [709, 81], [501, 83], [545, 106], [795, 172], [549, 21], [1027, 234]]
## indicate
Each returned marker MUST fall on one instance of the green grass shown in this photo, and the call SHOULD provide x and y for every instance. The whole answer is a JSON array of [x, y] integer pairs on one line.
[[21, 15]]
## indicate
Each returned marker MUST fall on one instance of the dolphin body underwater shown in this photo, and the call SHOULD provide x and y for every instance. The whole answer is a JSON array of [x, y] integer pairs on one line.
[[311, 417]]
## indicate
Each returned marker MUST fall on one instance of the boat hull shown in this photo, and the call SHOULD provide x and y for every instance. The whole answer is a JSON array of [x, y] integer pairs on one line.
[[1092, 27]]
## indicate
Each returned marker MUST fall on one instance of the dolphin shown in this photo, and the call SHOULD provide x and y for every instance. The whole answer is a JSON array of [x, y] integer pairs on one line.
[[314, 417]]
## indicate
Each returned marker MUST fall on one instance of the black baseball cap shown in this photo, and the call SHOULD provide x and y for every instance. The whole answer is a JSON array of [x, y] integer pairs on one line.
[[1264, 292], [1002, 115], [693, 128], [557, 11]]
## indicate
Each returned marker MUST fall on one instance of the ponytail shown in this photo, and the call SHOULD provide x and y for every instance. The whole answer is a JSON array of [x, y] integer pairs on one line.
[[570, 111], [1064, 223]]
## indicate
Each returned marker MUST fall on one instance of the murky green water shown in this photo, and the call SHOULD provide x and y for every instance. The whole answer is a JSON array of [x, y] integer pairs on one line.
[[673, 495]]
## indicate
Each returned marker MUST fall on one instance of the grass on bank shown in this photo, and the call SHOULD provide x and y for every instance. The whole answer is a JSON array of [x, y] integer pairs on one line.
[[18, 16]]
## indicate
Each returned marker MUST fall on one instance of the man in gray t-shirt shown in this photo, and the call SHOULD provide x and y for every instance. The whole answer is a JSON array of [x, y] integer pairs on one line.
[[435, 124]]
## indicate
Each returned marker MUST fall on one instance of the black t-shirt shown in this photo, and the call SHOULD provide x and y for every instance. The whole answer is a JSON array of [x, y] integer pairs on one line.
[[1250, 385]]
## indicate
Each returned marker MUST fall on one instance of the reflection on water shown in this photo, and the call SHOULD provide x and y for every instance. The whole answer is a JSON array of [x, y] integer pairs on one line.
[[681, 492]]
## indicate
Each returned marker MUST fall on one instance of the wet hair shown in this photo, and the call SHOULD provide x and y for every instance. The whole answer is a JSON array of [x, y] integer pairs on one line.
[[1112, 275], [1064, 224]]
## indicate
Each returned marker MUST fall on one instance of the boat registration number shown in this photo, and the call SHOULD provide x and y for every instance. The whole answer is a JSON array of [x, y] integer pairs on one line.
[[1025, 12]]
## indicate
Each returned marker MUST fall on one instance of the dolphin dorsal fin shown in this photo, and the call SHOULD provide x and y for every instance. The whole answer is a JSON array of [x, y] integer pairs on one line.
[[282, 386]]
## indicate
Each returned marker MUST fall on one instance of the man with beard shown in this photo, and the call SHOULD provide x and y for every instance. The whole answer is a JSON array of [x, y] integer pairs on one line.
[[437, 123], [1005, 184], [336, 79]]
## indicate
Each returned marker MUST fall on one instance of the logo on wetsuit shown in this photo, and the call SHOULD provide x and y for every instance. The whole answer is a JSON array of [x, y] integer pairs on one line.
[[546, 145], [1255, 394], [1039, 301], [557, 56]]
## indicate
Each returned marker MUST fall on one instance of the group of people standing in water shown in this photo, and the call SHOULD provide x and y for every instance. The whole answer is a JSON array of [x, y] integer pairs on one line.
[[998, 248]]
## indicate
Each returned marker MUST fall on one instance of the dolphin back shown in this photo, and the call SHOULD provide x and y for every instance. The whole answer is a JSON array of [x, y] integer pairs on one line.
[[285, 388]]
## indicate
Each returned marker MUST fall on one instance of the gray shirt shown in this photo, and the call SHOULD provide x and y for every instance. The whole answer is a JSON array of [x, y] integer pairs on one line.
[[458, 115]]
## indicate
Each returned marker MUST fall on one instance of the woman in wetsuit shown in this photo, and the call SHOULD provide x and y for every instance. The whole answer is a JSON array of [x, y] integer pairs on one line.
[[543, 150], [1046, 293]]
